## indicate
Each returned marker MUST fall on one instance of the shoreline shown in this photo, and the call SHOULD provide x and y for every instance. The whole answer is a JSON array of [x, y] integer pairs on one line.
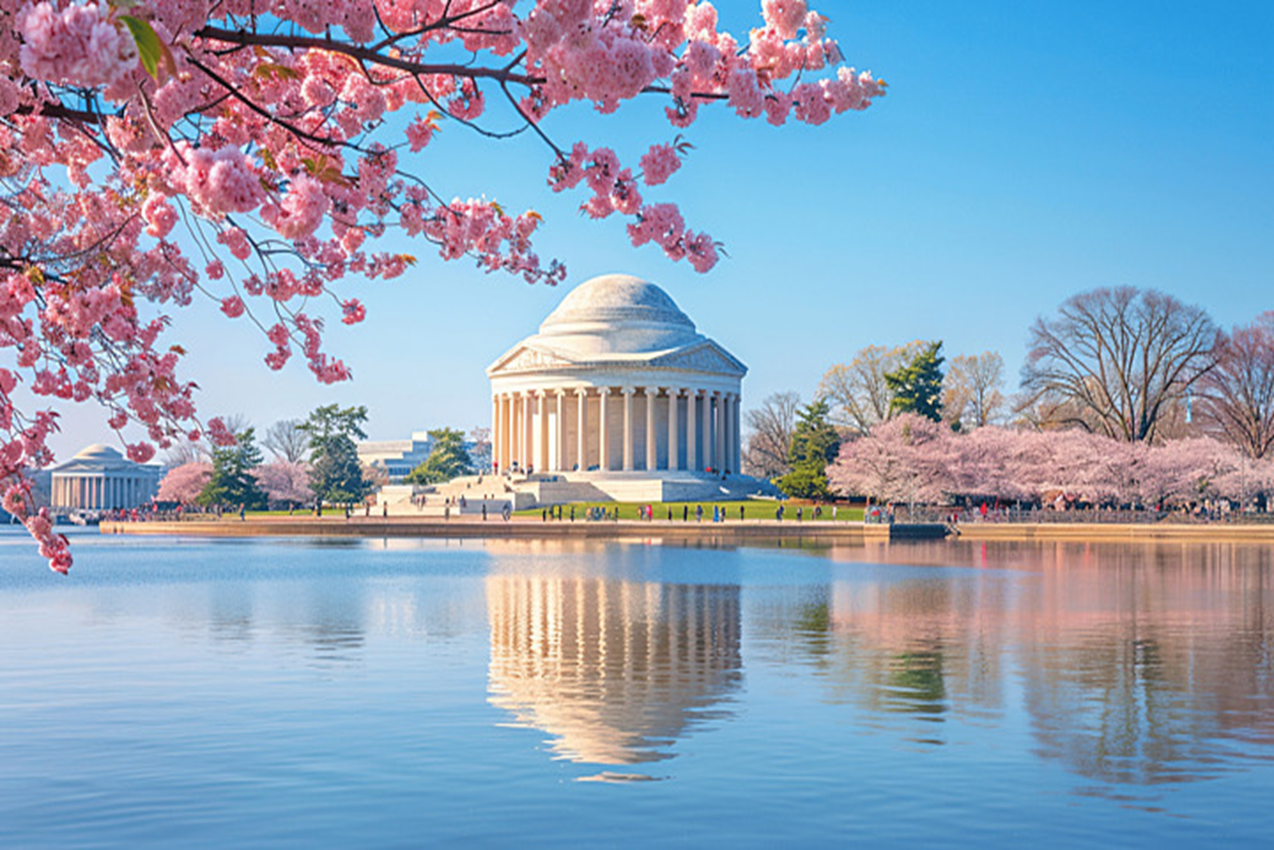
[[812, 531], [468, 528]]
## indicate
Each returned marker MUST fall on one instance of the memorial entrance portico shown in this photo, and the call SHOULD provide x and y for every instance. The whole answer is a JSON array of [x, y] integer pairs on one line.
[[618, 387]]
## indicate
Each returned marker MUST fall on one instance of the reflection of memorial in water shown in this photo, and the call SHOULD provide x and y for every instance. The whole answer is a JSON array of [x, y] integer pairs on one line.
[[614, 670]]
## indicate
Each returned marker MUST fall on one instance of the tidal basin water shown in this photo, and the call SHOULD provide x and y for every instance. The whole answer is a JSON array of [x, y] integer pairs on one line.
[[377, 693]]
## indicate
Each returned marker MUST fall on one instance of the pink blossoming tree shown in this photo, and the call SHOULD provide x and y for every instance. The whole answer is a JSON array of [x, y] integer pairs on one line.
[[183, 484], [286, 483], [158, 151], [909, 458]]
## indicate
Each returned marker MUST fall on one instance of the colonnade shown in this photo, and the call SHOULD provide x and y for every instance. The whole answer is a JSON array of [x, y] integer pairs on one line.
[[613, 429], [101, 491]]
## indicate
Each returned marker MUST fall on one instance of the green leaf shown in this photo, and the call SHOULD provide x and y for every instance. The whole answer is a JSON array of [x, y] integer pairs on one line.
[[149, 47]]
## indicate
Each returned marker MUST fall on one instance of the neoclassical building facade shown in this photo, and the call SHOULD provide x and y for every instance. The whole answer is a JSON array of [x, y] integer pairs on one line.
[[617, 381], [100, 478]]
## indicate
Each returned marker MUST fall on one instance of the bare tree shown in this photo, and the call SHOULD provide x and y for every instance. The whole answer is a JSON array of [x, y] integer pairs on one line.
[[1121, 357], [287, 440], [769, 436], [237, 423], [1237, 396], [182, 453], [480, 454], [971, 395], [858, 393]]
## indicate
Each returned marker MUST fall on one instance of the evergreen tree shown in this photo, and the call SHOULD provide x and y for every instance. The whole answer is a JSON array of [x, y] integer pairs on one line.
[[447, 459], [232, 482], [917, 386], [815, 443], [329, 422], [336, 476]]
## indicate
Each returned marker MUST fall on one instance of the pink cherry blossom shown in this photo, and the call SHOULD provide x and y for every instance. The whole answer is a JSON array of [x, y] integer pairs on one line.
[[78, 45], [232, 306], [659, 163], [184, 483], [264, 153]]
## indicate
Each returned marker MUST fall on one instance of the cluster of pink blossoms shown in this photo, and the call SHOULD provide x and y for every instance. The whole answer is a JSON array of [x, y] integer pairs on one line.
[[77, 45], [269, 136]]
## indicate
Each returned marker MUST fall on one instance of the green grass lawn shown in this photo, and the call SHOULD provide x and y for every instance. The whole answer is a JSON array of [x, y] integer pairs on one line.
[[752, 509]]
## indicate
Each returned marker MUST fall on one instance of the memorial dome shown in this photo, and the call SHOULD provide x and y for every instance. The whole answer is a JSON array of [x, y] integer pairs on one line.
[[98, 452], [617, 314]]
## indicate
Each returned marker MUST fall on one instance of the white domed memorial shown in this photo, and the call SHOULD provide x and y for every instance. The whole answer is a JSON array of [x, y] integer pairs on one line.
[[619, 395], [100, 478]]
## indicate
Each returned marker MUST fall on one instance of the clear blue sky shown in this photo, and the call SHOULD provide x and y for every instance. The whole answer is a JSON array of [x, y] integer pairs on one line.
[[1025, 152]]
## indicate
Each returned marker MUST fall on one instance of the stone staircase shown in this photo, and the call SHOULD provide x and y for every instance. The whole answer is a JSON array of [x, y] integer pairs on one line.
[[543, 489]]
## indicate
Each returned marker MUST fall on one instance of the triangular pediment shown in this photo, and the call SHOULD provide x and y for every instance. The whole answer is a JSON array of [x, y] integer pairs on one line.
[[524, 358], [706, 357]]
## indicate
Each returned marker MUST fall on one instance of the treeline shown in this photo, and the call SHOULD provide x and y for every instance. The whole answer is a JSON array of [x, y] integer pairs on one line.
[[1126, 367], [315, 462]]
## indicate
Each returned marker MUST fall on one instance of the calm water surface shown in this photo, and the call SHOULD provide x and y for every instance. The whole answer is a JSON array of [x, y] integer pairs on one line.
[[397, 693]]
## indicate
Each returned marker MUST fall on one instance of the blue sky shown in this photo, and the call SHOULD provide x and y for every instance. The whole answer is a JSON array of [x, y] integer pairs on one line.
[[1025, 152]]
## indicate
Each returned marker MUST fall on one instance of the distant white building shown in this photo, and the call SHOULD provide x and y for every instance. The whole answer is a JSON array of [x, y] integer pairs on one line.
[[399, 457], [396, 457], [100, 478]]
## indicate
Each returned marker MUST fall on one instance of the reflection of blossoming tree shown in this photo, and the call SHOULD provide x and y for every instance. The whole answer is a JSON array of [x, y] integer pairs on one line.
[[269, 138]]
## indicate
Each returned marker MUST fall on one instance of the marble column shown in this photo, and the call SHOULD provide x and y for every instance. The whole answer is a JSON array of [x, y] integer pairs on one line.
[[542, 442], [511, 428], [603, 435], [674, 397], [527, 436], [628, 428], [506, 426], [708, 460], [652, 447], [581, 435], [559, 433], [719, 445], [692, 449]]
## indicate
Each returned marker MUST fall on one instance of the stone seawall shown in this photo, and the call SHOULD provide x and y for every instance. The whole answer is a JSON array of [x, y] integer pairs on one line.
[[468, 528], [1120, 532]]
